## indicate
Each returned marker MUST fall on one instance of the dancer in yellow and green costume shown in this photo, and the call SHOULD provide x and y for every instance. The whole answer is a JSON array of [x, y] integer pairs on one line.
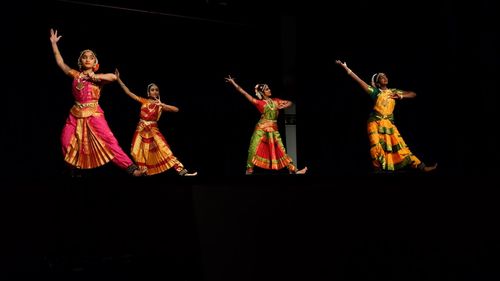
[[266, 149], [388, 150]]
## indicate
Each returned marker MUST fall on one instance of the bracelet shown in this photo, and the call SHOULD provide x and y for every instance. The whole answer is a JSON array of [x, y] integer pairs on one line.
[[94, 78], [349, 72], [401, 96]]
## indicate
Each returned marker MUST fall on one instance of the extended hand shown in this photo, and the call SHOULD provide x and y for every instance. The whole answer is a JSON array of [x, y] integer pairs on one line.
[[229, 79], [344, 64], [54, 38]]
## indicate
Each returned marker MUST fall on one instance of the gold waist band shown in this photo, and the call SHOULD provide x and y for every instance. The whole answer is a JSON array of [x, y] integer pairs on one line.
[[86, 104], [147, 122]]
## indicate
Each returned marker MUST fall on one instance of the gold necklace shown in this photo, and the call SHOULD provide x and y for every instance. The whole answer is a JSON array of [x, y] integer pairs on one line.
[[79, 86], [386, 93], [271, 104]]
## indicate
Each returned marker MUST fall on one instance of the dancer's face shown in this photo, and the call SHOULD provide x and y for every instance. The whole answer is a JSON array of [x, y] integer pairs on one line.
[[154, 92], [87, 60], [382, 79], [266, 90]]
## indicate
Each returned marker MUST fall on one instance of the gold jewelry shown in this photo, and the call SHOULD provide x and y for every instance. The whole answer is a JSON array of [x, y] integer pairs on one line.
[[271, 104], [79, 86]]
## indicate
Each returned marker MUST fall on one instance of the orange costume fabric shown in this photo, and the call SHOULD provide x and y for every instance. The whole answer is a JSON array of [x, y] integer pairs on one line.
[[149, 147]]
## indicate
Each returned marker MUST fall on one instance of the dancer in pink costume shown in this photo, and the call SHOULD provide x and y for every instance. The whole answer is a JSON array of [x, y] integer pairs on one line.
[[87, 140]]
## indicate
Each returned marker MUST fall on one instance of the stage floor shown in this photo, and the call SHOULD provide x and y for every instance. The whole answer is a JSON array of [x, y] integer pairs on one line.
[[371, 227]]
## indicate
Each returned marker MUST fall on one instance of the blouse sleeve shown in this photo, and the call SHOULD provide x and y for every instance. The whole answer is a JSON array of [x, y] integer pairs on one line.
[[373, 92], [260, 105], [397, 91], [73, 73]]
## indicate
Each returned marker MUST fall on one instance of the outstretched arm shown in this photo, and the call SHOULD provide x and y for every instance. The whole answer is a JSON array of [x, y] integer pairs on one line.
[[168, 107], [124, 87], [408, 95], [54, 38], [284, 104], [230, 80], [164, 107], [353, 75], [100, 78], [399, 95], [105, 77]]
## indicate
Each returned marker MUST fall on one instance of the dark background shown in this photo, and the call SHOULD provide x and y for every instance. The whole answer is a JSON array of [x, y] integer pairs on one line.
[[338, 222]]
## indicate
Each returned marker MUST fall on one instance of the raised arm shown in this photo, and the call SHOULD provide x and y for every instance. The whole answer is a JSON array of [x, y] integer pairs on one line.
[[354, 76], [54, 38], [249, 97], [124, 87]]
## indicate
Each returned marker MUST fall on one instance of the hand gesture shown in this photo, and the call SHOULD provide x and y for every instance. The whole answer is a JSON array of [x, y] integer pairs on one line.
[[396, 96], [344, 65], [229, 79], [89, 76], [54, 38]]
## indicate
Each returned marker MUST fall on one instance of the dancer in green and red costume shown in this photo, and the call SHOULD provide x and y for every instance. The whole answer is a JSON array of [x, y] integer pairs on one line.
[[266, 149]]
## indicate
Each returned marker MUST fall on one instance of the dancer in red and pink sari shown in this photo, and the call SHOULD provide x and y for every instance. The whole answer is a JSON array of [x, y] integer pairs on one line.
[[87, 140], [149, 147]]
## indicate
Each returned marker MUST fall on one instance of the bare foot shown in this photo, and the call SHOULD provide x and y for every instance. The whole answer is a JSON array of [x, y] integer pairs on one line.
[[301, 172], [140, 172], [430, 168], [190, 174]]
